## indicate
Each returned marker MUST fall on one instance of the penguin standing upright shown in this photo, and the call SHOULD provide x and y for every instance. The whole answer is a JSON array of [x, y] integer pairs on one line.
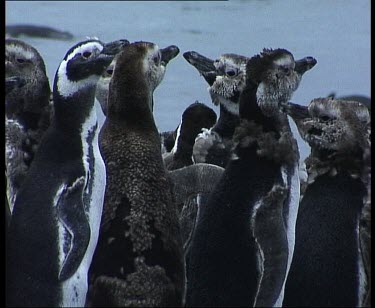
[[226, 77], [55, 222], [244, 237], [138, 260], [331, 264], [27, 111]]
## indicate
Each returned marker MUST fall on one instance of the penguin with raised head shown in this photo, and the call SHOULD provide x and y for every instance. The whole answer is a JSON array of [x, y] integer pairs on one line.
[[226, 78], [138, 260], [331, 264], [27, 111], [55, 223], [243, 241]]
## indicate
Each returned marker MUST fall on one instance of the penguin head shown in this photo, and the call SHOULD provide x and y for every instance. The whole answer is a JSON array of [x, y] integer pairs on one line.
[[230, 81], [225, 75], [275, 75], [141, 67], [22, 61], [196, 117], [200, 115], [204, 65], [331, 125], [83, 65]]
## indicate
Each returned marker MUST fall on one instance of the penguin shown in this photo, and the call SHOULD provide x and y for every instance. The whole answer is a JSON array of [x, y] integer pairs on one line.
[[193, 181], [55, 222], [27, 111], [226, 78], [331, 264], [243, 241], [194, 118], [138, 260]]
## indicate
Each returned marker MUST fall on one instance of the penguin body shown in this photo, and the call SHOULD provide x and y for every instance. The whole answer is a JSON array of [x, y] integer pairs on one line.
[[332, 231], [55, 223], [138, 260], [234, 258]]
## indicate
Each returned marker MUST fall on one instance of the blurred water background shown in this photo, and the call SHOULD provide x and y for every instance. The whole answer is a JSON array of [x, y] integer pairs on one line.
[[335, 32]]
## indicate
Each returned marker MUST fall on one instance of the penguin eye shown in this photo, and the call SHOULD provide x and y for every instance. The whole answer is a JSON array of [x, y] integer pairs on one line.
[[156, 59], [21, 60], [110, 71], [325, 118], [285, 70], [231, 72], [86, 54]]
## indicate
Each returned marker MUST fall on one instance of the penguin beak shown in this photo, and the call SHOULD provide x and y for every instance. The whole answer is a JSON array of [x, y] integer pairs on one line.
[[168, 53], [205, 66], [297, 112], [14, 82], [108, 53], [304, 64], [113, 48]]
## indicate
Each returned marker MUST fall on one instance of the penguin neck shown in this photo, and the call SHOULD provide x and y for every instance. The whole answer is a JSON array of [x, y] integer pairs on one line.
[[70, 113], [226, 123], [352, 162], [250, 110], [130, 101]]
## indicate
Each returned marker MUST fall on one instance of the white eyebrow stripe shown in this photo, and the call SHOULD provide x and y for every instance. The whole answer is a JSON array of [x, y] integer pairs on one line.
[[84, 47], [20, 50], [67, 87]]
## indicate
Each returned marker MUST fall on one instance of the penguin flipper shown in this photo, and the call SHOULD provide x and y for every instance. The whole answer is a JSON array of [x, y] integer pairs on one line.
[[195, 179], [76, 228]]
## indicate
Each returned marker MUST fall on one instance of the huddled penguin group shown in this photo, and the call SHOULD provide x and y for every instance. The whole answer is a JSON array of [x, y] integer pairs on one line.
[[102, 209]]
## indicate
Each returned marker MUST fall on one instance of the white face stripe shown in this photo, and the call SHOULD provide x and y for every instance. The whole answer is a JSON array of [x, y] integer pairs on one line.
[[15, 49], [85, 47], [67, 87]]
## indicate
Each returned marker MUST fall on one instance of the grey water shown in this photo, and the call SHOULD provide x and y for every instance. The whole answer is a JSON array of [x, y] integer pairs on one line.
[[335, 32]]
